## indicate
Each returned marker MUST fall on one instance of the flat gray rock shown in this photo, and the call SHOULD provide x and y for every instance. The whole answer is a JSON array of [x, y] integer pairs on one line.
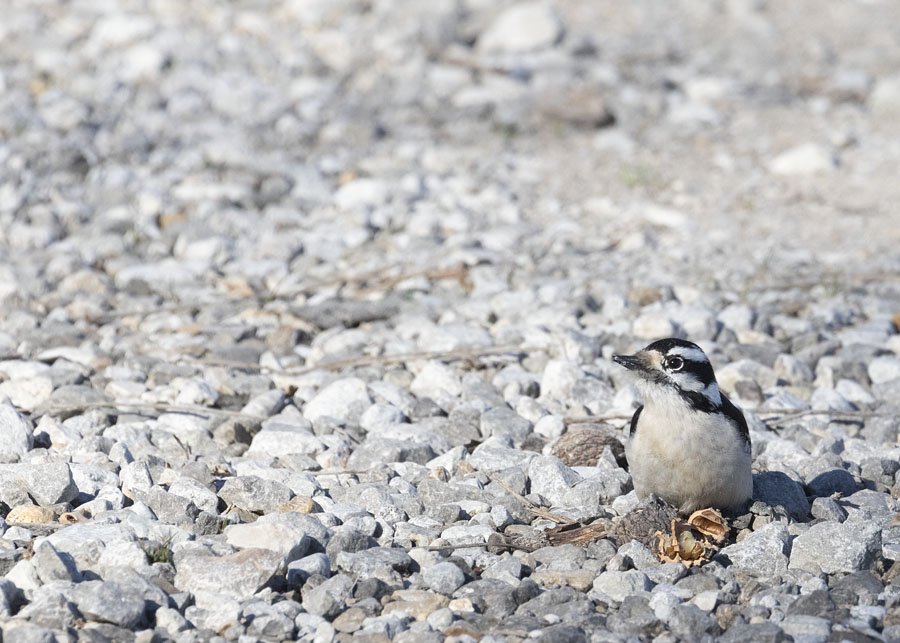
[[830, 548], [235, 575], [766, 550], [108, 602]]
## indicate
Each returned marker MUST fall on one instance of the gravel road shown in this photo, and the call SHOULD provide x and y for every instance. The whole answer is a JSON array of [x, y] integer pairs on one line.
[[307, 310]]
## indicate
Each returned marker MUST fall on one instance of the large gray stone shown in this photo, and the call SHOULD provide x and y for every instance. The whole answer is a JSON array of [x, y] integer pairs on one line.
[[16, 437], [196, 492], [776, 489], [289, 534], [765, 551], [830, 547], [108, 602], [329, 598], [86, 541], [253, 493], [280, 439], [552, 479], [344, 399], [618, 585], [444, 578], [364, 563], [52, 565], [49, 484], [236, 575]]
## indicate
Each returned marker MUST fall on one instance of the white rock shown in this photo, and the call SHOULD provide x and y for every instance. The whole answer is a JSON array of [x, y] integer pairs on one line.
[[765, 550], [434, 378], [558, 378], [854, 392], [196, 492], [552, 479], [662, 216], [127, 554], [522, 27], [830, 547], [805, 159], [653, 326], [16, 437], [829, 399], [624, 504], [142, 62], [287, 534], [617, 585], [194, 392], [125, 389], [884, 101], [792, 369], [662, 602], [884, 369], [344, 399], [361, 193], [550, 426], [285, 439], [379, 416], [27, 393]]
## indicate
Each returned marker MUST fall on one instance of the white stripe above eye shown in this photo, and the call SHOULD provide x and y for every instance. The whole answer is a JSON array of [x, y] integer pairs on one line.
[[690, 354]]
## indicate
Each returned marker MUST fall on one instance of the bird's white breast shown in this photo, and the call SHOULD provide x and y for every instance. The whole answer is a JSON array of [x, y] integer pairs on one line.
[[690, 459]]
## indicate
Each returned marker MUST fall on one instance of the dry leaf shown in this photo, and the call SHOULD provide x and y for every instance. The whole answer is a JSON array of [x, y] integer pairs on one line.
[[681, 546], [709, 522]]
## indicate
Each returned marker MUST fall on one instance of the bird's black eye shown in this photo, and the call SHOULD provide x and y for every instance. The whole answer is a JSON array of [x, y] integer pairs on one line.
[[674, 363]]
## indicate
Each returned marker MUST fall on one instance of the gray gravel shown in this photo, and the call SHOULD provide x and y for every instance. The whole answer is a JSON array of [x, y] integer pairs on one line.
[[300, 301]]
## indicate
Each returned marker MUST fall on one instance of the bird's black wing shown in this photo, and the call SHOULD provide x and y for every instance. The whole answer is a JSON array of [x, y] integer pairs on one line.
[[736, 415], [634, 420]]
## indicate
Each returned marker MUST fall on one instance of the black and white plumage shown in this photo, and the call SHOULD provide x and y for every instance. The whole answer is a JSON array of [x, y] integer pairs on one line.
[[688, 444]]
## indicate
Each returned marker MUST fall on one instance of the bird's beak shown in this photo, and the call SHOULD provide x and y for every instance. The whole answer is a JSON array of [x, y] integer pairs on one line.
[[637, 362]]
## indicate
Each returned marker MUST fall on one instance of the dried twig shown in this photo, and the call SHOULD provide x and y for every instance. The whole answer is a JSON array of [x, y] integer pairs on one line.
[[368, 360], [42, 527], [795, 413], [579, 535], [533, 508], [775, 413], [190, 409], [342, 472], [452, 547], [459, 272]]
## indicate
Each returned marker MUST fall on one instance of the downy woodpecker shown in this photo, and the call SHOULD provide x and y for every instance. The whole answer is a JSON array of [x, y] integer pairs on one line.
[[688, 444]]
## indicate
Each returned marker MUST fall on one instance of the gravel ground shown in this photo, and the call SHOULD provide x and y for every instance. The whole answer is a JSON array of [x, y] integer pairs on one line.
[[305, 302]]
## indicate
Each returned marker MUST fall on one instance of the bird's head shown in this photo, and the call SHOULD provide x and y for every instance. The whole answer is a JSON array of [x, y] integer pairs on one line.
[[674, 366]]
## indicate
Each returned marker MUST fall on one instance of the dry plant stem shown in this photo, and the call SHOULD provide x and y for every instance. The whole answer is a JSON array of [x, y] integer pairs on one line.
[[452, 547], [530, 506], [576, 536], [40, 526], [793, 413], [461, 353], [458, 272], [153, 406]]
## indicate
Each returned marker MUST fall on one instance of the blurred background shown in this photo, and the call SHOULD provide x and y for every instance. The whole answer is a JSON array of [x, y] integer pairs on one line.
[[269, 148]]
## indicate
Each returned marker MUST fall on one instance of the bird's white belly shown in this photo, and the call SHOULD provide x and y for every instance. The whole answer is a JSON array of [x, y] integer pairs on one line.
[[691, 460]]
